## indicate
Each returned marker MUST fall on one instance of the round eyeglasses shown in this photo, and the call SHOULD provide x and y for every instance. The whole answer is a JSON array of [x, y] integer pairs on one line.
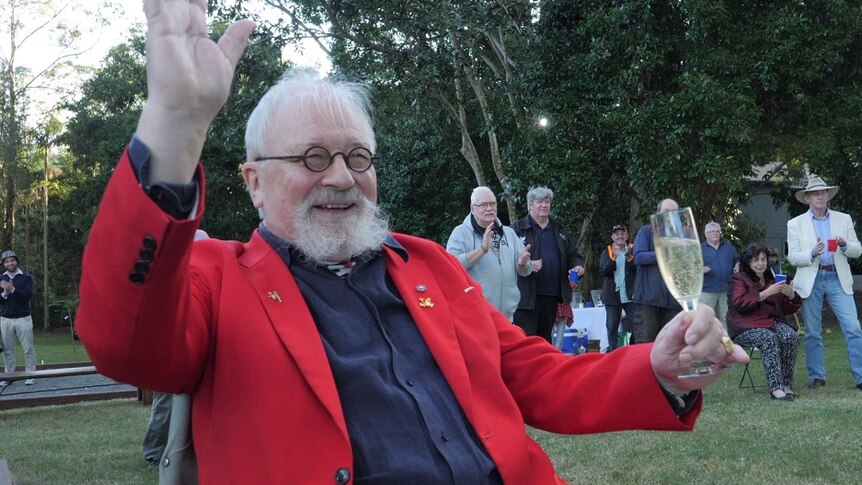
[[318, 159]]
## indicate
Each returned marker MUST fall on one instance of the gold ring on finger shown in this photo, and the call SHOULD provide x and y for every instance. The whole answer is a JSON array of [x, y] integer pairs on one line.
[[728, 344]]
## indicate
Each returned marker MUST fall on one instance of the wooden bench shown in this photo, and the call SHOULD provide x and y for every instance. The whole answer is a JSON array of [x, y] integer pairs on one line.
[[58, 370], [5, 476]]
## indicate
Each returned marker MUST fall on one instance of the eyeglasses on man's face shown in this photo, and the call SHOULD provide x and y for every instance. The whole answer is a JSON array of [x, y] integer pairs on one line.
[[486, 206], [318, 159]]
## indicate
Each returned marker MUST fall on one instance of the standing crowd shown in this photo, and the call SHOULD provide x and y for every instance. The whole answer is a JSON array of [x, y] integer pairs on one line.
[[751, 299]]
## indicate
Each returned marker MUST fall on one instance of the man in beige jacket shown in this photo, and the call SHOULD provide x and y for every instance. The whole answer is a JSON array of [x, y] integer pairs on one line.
[[819, 242]]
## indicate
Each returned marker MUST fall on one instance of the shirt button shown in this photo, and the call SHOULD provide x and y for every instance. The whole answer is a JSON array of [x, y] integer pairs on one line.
[[410, 382], [342, 476], [445, 436]]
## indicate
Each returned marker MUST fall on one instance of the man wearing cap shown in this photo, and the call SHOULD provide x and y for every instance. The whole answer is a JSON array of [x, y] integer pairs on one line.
[[720, 261], [16, 321], [618, 278], [818, 244]]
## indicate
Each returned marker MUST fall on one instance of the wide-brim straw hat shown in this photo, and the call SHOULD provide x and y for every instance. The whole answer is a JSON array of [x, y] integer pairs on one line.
[[815, 184]]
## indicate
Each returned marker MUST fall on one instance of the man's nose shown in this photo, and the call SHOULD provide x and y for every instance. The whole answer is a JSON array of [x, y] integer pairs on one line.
[[338, 174]]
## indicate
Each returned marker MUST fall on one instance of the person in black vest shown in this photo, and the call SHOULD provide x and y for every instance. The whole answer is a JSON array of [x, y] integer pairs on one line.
[[16, 320]]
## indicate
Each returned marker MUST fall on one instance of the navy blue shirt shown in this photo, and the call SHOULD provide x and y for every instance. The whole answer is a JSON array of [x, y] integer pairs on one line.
[[547, 278], [404, 423]]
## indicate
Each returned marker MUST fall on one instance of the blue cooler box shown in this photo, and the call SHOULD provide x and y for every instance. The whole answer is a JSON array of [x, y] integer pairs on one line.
[[575, 340]]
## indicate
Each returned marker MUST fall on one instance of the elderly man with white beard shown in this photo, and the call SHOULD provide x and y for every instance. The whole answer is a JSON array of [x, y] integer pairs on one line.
[[327, 349], [492, 253]]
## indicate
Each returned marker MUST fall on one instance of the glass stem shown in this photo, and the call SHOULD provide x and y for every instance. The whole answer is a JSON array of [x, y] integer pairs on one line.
[[688, 304]]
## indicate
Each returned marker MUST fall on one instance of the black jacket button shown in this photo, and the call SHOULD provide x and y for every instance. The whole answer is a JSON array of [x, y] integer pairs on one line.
[[147, 255], [142, 267], [342, 476], [136, 278], [150, 243]]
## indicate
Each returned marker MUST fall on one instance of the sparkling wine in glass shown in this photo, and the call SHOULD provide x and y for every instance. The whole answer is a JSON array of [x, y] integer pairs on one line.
[[677, 249]]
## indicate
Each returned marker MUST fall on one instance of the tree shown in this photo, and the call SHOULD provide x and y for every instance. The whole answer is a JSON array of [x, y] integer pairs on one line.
[[463, 56], [27, 22], [684, 99], [104, 119]]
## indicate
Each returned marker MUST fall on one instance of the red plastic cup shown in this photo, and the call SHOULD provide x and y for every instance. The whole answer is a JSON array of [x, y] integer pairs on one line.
[[833, 245]]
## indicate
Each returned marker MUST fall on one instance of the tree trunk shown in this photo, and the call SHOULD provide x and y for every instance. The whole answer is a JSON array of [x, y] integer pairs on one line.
[[46, 323]]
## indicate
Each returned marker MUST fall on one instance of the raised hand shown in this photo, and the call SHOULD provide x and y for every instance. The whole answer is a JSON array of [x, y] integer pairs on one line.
[[488, 237], [524, 257], [188, 81]]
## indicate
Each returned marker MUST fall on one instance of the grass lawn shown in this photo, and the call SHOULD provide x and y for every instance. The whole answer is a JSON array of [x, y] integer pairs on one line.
[[52, 347], [741, 437]]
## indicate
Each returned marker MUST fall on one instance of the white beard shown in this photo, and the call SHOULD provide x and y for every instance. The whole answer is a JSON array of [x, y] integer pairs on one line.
[[322, 240]]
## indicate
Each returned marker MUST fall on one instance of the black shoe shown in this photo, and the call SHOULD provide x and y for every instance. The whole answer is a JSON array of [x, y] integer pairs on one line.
[[786, 397], [859, 386], [815, 383]]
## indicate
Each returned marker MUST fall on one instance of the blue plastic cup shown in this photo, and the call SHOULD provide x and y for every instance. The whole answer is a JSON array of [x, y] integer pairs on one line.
[[573, 276], [780, 278], [588, 304]]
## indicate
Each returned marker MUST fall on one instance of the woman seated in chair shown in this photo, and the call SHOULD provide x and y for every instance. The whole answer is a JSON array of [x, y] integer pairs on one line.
[[757, 307]]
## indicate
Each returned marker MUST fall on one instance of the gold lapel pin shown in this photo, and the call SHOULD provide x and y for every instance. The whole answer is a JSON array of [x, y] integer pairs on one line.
[[273, 295], [426, 303]]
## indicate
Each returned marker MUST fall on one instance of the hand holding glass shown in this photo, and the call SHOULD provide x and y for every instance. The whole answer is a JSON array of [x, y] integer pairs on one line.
[[680, 260]]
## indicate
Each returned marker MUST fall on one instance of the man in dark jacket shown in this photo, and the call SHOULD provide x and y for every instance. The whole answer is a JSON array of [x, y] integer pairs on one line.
[[553, 255], [17, 291], [618, 277], [656, 306]]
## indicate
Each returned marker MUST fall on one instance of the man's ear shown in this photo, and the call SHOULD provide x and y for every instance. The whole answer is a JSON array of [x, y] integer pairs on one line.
[[251, 175]]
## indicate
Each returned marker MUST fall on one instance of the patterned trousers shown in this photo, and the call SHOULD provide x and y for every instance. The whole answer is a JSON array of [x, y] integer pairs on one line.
[[778, 347]]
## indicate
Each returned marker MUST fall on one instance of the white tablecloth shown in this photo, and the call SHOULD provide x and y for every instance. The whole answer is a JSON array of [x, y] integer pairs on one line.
[[592, 319]]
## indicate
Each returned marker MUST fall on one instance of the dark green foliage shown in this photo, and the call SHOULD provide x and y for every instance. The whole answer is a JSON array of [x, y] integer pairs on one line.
[[105, 117]]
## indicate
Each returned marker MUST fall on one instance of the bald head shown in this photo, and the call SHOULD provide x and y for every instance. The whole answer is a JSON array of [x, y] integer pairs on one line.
[[667, 205]]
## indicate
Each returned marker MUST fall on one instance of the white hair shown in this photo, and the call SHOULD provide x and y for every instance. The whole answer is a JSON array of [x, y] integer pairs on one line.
[[711, 224], [474, 197], [301, 90]]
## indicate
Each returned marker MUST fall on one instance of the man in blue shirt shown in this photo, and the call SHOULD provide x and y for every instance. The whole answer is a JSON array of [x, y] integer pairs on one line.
[[819, 243], [720, 261]]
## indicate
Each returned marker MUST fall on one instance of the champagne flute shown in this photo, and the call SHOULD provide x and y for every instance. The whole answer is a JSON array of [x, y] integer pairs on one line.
[[680, 260]]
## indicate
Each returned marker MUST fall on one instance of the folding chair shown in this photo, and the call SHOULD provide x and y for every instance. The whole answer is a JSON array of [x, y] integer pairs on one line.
[[747, 372]]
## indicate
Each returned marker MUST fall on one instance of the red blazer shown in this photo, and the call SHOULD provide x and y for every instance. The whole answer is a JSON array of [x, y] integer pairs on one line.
[[745, 312], [225, 322]]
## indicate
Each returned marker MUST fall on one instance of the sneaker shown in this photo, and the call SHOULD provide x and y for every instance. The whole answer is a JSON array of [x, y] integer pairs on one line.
[[815, 383], [29, 382], [3, 383]]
